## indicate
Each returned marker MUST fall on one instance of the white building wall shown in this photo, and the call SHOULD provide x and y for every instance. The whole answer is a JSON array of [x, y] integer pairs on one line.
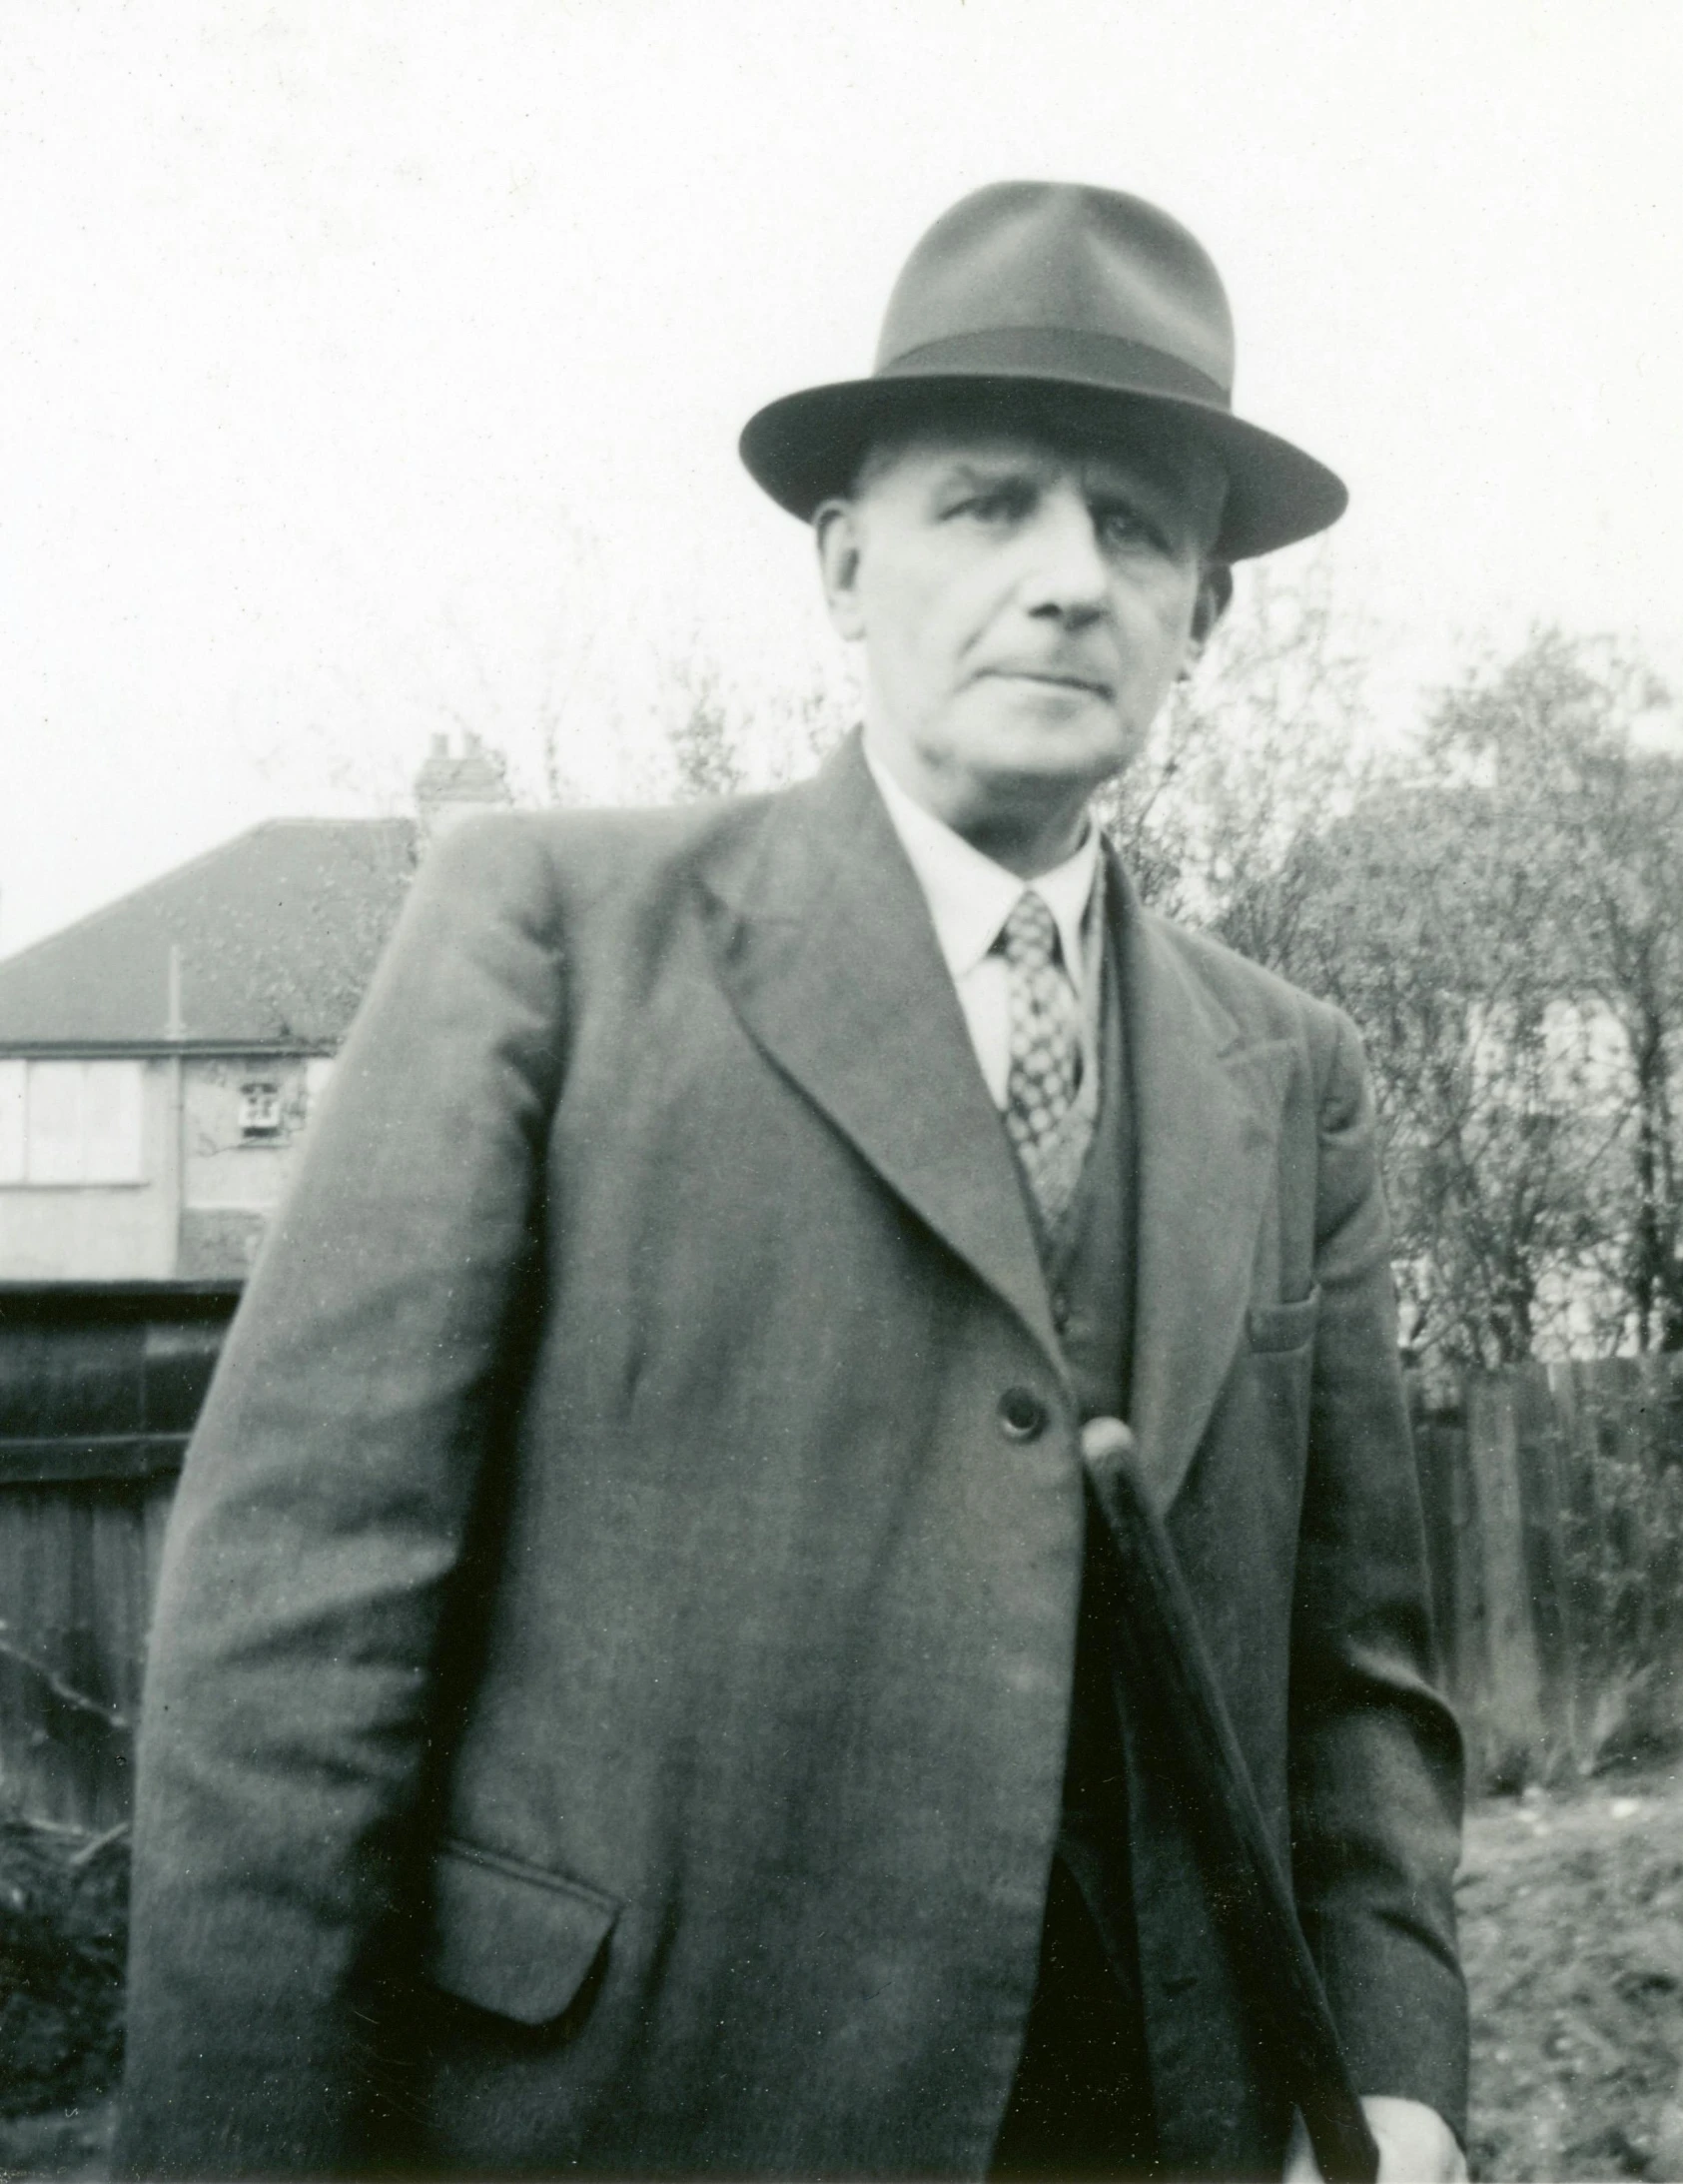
[[243, 1121], [101, 1230], [218, 1142]]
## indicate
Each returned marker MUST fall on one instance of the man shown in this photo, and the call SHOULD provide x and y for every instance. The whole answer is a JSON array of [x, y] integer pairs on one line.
[[635, 1686]]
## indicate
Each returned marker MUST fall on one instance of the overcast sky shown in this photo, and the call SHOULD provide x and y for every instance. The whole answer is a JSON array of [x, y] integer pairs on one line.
[[369, 368]]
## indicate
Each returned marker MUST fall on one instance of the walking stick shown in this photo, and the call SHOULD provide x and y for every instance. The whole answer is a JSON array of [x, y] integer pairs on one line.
[[1248, 1883]]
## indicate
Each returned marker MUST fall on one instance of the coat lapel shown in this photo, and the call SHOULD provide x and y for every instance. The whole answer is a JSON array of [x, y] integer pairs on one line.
[[824, 943], [1209, 1107]]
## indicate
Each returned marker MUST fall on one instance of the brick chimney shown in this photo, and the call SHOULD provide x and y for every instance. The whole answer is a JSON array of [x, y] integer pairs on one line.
[[450, 788]]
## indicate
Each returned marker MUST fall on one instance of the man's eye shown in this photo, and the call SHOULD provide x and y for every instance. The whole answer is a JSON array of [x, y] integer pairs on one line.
[[1127, 527], [997, 504]]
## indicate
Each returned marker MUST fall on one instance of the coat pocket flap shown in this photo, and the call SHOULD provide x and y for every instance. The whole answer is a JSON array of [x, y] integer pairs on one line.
[[1283, 1326], [511, 1938]]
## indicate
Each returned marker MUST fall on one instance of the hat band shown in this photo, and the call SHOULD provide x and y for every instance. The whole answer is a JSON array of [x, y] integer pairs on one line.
[[1059, 352]]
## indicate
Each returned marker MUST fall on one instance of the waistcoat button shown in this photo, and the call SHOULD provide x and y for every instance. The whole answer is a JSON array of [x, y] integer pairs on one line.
[[1022, 1415]]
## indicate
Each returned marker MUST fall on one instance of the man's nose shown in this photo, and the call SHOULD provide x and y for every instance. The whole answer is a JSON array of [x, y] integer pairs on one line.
[[1067, 575]]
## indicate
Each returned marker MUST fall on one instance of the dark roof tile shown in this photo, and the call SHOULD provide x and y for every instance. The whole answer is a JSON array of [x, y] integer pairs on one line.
[[279, 932]]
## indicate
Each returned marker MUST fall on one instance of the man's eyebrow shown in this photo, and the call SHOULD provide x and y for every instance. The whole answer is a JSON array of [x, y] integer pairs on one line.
[[981, 469], [1140, 480], [1136, 478]]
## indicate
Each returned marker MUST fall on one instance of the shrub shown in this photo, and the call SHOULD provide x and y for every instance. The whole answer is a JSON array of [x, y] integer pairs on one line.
[[63, 1932]]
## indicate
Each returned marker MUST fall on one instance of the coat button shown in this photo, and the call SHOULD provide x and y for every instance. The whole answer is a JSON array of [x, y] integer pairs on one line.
[[1022, 1415]]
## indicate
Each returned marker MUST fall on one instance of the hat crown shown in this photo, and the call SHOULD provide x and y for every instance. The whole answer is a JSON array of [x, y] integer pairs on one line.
[[1061, 258], [1046, 304]]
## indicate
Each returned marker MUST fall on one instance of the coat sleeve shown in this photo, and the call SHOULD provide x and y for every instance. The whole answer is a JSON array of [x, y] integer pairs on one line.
[[323, 1511], [1377, 1769]]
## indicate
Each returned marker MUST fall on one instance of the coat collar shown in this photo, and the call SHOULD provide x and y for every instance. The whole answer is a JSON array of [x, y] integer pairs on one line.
[[824, 943], [1209, 1098], [827, 951]]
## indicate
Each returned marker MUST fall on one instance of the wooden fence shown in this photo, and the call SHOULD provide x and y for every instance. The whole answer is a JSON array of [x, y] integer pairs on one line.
[[1553, 1498], [99, 1388], [1554, 1518]]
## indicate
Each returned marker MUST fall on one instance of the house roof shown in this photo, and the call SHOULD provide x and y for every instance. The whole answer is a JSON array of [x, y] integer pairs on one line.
[[278, 933]]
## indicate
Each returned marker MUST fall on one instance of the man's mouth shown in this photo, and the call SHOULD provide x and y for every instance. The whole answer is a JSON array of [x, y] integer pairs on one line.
[[1063, 679]]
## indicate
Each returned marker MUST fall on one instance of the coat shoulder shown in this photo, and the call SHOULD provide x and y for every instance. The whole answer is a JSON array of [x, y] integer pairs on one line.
[[559, 861], [1261, 1002], [609, 839]]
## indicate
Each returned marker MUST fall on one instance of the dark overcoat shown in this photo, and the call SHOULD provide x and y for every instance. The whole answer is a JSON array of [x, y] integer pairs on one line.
[[609, 1689]]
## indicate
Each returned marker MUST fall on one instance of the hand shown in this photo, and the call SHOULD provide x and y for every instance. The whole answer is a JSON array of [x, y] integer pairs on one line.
[[1415, 2145]]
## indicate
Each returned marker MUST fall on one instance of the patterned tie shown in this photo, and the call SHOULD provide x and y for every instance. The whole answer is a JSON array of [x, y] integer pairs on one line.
[[1049, 1126]]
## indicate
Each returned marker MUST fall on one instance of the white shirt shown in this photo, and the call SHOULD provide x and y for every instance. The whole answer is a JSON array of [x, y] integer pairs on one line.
[[970, 897]]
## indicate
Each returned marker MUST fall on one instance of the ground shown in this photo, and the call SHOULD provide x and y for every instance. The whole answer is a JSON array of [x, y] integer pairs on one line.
[[1572, 1931], [1572, 1927]]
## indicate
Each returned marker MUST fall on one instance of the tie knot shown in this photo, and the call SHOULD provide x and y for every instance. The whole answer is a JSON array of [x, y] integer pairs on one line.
[[1028, 937]]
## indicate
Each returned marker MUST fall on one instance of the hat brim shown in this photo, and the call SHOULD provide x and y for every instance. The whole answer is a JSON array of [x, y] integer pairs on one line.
[[806, 448]]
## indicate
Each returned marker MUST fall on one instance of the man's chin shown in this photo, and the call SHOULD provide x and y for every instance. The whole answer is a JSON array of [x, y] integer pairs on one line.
[[1052, 723], [1071, 755]]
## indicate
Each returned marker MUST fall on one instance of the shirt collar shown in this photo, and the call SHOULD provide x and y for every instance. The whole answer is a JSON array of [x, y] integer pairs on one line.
[[970, 896]]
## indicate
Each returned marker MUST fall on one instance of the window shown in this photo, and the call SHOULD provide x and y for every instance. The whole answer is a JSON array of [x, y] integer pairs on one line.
[[260, 1109], [11, 1122], [71, 1122]]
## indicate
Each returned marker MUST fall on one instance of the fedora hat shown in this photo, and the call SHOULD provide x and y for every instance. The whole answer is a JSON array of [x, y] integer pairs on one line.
[[1041, 298]]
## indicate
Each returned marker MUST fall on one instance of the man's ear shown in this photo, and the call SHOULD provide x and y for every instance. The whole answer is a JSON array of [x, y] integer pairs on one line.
[[1215, 594], [835, 527]]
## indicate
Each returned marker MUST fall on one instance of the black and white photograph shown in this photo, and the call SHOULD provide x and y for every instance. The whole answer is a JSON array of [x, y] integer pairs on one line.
[[841, 1090]]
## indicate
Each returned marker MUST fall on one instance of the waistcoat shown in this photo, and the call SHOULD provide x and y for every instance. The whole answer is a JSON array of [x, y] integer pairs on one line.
[[1090, 1269], [1089, 1264]]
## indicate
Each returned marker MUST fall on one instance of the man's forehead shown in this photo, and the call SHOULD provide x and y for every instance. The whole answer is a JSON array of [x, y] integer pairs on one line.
[[1117, 454]]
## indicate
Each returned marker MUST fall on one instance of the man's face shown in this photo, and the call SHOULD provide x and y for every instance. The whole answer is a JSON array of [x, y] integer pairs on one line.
[[1024, 603]]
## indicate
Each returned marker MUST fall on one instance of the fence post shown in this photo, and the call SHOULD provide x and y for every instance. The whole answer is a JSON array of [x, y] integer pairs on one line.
[[1553, 1617], [1511, 1730]]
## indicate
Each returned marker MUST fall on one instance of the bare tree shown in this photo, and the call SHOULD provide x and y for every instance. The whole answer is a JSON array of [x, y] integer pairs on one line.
[[1253, 755], [1597, 811], [1416, 915], [725, 739]]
